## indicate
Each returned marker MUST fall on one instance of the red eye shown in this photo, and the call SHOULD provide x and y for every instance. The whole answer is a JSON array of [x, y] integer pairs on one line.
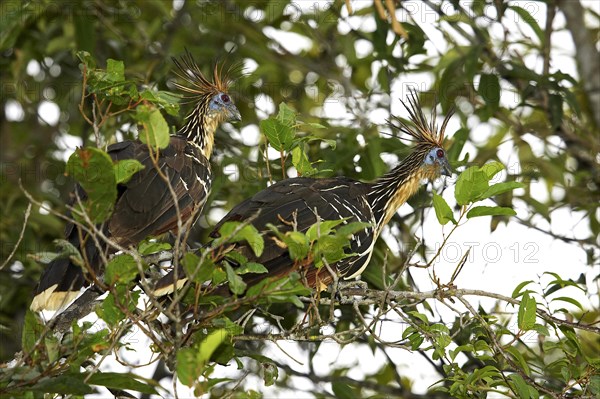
[[440, 153], [225, 98]]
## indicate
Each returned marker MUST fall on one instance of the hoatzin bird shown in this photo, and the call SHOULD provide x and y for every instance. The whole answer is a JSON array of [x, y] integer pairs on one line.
[[145, 205], [302, 201]]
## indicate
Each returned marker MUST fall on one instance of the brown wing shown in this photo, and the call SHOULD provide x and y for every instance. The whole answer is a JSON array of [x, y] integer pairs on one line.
[[145, 205], [303, 199], [299, 200]]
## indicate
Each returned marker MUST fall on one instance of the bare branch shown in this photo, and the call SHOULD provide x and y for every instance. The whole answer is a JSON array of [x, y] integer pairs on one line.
[[587, 55], [14, 251]]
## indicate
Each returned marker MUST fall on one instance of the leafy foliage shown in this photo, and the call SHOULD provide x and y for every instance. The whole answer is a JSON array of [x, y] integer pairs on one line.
[[105, 66], [93, 170]]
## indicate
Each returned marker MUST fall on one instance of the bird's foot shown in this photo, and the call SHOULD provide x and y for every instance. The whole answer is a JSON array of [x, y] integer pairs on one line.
[[345, 290]]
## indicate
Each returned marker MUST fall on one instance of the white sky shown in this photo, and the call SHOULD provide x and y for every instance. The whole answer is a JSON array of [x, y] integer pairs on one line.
[[500, 260]]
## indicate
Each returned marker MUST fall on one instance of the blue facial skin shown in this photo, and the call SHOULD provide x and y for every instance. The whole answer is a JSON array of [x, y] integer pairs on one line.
[[437, 157], [221, 102]]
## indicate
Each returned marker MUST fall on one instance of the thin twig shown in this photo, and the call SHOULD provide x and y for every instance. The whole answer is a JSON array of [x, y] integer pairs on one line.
[[14, 251]]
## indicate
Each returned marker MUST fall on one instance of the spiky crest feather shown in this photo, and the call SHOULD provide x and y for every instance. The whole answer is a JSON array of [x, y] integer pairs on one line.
[[423, 133], [199, 85]]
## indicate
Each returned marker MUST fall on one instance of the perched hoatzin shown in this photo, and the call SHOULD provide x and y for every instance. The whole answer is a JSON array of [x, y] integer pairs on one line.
[[145, 205], [302, 200]]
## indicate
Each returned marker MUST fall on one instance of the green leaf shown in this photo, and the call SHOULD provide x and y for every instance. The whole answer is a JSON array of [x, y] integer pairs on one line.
[[252, 267], [459, 349], [198, 271], [247, 233], [331, 143], [163, 99], [231, 327], [419, 316], [281, 289], [520, 386], [561, 283], [331, 249], [155, 130], [301, 162], [219, 276], [45, 257], [209, 344], [86, 58], [442, 210], [115, 70], [415, 338], [453, 80], [500, 188], [297, 243], [489, 90], [470, 185], [269, 129], [517, 291], [541, 329], [110, 309], [348, 229], [237, 258], [484, 373], [490, 211], [555, 109], [440, 328], [236, 284], [315, 125], [595, 384], [52, 347], [109, 312], [70, 250], [93, 170], [459, 139], [69, 384], [286, 115], [322, 228], [568, 300], [518, 356], [191, 362], [492, 168], [270, 373], [147, 247], [122, 268], [189, 369], [527, 313], [342, 390], [126, 168], [32, 331], [472, 65], [121, 381], [279, 135], [531, 21]]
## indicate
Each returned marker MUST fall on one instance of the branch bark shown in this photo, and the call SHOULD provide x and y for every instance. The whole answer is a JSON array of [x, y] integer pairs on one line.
[[587, 55]]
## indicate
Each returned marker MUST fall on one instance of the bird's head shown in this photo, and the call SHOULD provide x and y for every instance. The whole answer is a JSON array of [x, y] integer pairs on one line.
[[438, 163], [214, 104], [428, 157], [222, 107], [211, 95]]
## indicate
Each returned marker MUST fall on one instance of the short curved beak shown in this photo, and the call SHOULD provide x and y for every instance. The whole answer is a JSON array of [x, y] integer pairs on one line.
[[446, 169], [233, 114]]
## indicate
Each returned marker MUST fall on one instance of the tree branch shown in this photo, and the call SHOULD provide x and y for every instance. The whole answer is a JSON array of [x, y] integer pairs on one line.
[[588, 57]]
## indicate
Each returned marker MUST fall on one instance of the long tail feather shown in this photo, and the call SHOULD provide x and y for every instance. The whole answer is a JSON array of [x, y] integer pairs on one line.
[[62, 280]]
